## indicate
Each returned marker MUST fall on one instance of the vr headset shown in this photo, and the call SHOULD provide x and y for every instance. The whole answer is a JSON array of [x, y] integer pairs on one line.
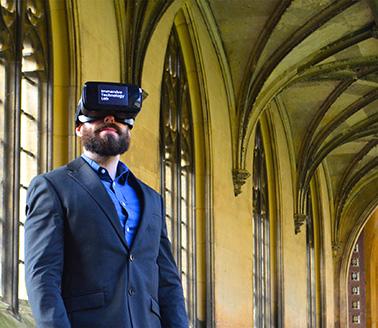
[[99, 99]]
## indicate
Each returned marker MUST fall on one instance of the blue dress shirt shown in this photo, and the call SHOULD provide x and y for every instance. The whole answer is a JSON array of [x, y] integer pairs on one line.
[[124, 197]]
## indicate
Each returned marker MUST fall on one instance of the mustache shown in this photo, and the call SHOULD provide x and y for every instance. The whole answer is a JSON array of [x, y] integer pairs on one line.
[[106, 126]]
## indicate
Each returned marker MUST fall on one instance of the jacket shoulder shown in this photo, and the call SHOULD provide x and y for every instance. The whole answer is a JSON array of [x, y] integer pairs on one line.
[[61, 172]]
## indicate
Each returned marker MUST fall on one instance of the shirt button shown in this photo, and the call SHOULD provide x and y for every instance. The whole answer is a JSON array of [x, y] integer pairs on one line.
[[128, 229], [131, 291]]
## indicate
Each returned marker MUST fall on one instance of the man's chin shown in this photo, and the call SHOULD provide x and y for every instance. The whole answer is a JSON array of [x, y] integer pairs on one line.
[[106, 144]]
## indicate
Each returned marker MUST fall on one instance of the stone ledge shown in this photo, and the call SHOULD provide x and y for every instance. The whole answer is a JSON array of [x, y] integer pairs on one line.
[[8, 320]]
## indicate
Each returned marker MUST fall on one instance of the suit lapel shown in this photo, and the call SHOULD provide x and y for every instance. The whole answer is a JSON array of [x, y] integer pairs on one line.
[[146, 211], [84, 175]]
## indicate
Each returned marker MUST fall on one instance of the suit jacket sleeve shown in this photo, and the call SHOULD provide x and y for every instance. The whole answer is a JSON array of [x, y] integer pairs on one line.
[[44, 254], [171, 299]]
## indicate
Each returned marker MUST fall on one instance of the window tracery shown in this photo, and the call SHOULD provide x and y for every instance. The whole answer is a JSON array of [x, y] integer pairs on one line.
[[24, 58], [177, 168], [262, 239]]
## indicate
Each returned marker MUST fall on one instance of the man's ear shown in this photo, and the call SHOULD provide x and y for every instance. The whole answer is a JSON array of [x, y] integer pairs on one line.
[[78, 130]]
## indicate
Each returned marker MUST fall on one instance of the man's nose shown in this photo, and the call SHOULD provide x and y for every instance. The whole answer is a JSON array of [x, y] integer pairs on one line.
[[109, 119]]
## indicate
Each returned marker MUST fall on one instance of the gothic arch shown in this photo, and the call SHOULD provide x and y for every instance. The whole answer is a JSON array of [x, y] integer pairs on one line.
[[181, 19], [342, 263]]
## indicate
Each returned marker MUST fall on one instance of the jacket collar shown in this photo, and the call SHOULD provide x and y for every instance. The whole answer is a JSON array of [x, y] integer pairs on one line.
[[84, 175]]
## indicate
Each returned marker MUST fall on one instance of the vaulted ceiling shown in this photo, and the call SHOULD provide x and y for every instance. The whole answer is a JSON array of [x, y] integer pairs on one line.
[[317, 59]]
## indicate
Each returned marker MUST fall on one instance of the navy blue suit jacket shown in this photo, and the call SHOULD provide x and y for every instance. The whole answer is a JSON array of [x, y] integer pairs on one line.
[[80, 271]]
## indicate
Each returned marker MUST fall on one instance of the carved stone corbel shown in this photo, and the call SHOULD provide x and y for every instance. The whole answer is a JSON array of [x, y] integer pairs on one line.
[[336, 249], [299, 220], [239, 177]]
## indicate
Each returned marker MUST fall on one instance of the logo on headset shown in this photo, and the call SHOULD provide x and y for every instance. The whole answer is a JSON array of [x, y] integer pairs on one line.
[[112, 95]]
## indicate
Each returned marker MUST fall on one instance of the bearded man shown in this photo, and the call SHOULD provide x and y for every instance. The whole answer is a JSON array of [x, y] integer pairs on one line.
[[96, 246]]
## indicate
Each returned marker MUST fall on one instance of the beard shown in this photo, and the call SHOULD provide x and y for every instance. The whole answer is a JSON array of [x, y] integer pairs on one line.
[[107, 145]]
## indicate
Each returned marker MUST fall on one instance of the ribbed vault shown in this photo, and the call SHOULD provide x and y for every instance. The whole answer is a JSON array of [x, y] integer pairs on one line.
[[320, 60], [140, 22]]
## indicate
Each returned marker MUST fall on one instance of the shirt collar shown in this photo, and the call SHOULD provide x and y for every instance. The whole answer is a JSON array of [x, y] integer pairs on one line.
[[121, 174]]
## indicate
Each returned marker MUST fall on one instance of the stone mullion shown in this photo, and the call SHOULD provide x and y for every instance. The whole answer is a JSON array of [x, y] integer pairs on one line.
[[14, 219]]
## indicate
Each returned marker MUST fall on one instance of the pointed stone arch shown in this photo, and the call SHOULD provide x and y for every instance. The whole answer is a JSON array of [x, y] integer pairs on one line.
[[343, 254], [180, 18]]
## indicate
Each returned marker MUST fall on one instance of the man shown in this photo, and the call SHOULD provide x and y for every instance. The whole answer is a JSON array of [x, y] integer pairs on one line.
[[96, 247]]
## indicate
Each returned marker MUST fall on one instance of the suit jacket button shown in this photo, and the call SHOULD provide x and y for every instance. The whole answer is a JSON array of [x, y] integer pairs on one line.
[[131, 291], [131, 257]]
